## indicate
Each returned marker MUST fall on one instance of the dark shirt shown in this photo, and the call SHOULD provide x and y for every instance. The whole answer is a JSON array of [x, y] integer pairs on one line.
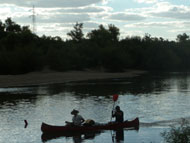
[[118, 116]]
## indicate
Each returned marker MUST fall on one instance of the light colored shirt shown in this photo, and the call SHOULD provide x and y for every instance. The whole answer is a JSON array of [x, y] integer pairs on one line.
[[77, 120]]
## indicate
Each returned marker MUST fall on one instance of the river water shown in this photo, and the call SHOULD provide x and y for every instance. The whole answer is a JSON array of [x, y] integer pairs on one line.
[[158, 99]]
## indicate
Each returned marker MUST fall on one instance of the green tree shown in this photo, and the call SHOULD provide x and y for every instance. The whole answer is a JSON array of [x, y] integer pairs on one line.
[[77, 34], [98, 34], [26, 29], [182, 37], [2, 30], [2, 27], [104, 37], [12, 26], [114, 32]]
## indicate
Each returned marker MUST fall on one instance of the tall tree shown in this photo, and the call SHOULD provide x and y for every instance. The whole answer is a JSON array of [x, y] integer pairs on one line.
[[98, 34], [114, 32], [103, 36], [110, 34], [182, 37], [11, 26], [77, 34], [2, 27], [2, 30]]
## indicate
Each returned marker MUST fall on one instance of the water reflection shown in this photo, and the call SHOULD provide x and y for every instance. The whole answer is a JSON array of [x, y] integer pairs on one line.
[[77, 137], [155, 98], [118, 136], [146, 84], [11, 100], [85, 89]]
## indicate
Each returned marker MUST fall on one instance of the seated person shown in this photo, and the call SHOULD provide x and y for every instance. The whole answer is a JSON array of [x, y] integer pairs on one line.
[[118, 114], [77, 119]]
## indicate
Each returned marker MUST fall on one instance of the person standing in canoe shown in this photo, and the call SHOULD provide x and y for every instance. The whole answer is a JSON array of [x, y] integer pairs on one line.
[[118, 114], [77, 119]]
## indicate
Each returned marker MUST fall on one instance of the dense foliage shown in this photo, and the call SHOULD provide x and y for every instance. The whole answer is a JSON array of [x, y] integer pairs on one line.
[[179, 134], [22, 51]]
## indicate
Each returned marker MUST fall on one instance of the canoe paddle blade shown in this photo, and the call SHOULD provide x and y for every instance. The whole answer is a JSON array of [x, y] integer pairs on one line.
[[115, 97]]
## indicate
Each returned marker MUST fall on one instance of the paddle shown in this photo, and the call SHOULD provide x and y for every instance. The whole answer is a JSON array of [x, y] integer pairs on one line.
[[115, 97]]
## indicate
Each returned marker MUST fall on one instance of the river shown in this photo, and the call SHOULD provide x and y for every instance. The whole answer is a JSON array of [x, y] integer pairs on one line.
[[158, 99]]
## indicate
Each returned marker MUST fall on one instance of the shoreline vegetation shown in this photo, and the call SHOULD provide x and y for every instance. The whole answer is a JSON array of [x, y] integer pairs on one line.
[[24, 55], [53, 77]]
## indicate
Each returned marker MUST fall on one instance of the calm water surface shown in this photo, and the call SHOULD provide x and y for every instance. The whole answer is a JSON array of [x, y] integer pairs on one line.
[[159, 100]]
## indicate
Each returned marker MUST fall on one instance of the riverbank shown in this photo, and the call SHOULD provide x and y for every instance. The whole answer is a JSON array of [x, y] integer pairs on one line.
[[52, 77]]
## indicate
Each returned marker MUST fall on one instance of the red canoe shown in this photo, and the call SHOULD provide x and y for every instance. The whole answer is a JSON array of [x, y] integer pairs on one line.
[[134, 124]]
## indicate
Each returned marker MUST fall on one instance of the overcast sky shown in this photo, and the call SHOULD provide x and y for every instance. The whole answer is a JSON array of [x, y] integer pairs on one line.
[[160, 18]]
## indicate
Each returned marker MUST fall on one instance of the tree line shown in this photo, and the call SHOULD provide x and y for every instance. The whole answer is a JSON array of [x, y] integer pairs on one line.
[[22, 51]]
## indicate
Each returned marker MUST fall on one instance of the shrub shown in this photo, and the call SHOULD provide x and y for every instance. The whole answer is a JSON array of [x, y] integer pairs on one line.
[[179, 134]]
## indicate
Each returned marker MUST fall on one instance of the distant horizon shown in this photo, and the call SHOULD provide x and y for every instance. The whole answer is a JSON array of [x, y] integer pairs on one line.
[[159, 18]]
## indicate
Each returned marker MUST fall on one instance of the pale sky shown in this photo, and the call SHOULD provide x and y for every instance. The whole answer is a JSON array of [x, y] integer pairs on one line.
[[160, 18]]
